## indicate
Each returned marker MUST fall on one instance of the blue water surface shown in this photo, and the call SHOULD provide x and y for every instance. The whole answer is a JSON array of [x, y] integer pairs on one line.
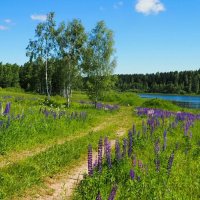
[[184, 101]]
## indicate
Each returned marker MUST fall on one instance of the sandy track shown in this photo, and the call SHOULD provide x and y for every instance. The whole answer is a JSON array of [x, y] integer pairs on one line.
[[63, 186], [18, 156]]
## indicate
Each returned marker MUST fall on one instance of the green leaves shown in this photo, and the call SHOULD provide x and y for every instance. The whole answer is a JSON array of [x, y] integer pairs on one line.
[[98, 64]]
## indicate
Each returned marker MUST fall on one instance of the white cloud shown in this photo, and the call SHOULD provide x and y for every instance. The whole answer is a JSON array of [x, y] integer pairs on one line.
[[8, 21], [118, 4], [3, 28], [39, 17], [149, 6]]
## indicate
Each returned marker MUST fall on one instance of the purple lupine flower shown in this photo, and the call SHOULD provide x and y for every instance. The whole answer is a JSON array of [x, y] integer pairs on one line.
[[130, 143], [124, 147], [99, 196], [132, 174], [157, 150], [144, 128], [99, 105], [134, 160], [100, 151], [46, 112], [95, 164], [165, 133], [157, 163], [54, 115], [108, 152], [117, 151], [157, 147], [165, 140], [170, 162], [7, 109], [151, 124], [90, 169], [186, 128], [113, 193], [157, 122]]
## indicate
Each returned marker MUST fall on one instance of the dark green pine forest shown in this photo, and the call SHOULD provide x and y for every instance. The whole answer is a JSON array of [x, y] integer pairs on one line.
[[30, 77]]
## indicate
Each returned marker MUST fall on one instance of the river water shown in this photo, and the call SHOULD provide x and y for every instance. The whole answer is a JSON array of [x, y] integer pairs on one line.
[[184, 101]]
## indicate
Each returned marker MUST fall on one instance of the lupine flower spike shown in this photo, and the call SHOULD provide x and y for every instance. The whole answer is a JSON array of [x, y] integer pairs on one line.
[[132, 174], [90, 169], [113, 193], [130, 143], [100, 149], [124, 147], [170, 162], [99, 196]]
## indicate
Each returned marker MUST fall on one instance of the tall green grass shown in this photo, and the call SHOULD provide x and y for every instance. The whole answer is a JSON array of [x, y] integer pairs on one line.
[[181, 183]]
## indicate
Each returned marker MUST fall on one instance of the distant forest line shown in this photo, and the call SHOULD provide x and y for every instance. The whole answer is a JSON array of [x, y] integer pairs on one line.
[[30, 77]]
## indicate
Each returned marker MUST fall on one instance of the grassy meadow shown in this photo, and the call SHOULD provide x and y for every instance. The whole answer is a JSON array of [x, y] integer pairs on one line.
[[40, 139]]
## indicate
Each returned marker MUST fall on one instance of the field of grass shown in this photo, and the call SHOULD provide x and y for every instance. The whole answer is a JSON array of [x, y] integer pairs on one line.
[[40, 139], [160, 160]]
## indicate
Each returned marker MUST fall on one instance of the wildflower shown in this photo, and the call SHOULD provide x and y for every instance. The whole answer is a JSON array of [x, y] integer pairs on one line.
[[157, 146], [165, 140], [157, 149], [134, 160], [54, 115], [95, 163], [108, 152], [7, 109], [150, 112], [100, 149], [113, 193], [132, 174], [99, 196], [124, 147], [170, 162], [90, 170], [144, 128], [157, 163], [130, 143]]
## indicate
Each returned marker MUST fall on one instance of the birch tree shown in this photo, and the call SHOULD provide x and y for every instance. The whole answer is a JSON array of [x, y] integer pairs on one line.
[[44, 45], [71, 41], [99, 63]]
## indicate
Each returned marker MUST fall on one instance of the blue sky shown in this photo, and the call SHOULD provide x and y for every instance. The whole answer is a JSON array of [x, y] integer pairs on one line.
[[150, 35]]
